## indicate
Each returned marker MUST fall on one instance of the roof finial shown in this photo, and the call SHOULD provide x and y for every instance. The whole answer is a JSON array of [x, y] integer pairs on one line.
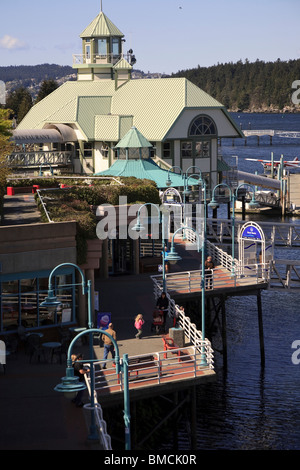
[[101, 6]]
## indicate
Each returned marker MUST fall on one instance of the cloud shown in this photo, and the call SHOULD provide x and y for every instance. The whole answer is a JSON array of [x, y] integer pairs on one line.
[[9, 42]]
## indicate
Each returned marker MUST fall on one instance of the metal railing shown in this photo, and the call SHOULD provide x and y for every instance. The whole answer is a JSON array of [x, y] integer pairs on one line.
[[285, 274], [190, 329], [100, 423], [39, 158], [282, 234], [175, 364], [82, 59]]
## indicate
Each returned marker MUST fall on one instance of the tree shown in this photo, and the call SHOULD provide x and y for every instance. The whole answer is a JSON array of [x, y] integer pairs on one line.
[[6, 147], [20, 102], [47, 87]]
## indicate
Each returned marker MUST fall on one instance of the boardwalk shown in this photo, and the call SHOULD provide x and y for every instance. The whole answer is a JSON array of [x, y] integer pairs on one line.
[[135, 295]]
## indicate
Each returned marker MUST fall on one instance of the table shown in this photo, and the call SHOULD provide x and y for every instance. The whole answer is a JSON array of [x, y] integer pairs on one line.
[[75, 330], [52, 347]]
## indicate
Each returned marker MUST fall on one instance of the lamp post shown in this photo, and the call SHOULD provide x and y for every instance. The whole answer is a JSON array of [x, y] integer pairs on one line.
[[174, 257], [138, 227], [186, 190], [233, 197], [70, 383]]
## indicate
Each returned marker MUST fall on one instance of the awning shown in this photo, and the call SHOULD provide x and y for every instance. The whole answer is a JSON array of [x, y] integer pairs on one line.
[[53, 133], [36, 136], [257, 180]]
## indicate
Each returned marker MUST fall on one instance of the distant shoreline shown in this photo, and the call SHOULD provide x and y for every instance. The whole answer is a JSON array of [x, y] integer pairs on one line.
[[266, 111]]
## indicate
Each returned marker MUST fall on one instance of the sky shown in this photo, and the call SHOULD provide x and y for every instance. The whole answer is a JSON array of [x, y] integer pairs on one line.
[[165, 35]]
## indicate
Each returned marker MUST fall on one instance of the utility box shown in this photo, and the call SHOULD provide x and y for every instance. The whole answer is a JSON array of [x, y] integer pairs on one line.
[[177, 334]]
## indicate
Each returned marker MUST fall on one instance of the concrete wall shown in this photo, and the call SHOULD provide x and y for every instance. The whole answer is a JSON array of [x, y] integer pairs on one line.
[[36, 247]]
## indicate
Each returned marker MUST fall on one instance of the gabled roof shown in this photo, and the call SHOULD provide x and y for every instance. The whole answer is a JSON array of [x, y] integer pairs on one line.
[[101, 26], [145, 169], [154, 104], [133, 139], [122, 64]]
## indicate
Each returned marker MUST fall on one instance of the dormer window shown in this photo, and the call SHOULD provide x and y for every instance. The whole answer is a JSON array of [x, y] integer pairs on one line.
[[202, 126]]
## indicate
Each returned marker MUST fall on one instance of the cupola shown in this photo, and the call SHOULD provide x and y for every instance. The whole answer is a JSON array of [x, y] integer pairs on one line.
[[102, 56]]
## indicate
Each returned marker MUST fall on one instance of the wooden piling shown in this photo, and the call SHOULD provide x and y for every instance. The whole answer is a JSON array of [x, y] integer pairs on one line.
[[260, 327]]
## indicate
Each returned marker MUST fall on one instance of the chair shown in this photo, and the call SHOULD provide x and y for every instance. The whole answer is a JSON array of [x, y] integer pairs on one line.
[[34, 347]]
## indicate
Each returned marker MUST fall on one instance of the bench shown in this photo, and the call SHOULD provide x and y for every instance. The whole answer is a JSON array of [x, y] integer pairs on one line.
[[169, 345], [149, 264], [136, 364]]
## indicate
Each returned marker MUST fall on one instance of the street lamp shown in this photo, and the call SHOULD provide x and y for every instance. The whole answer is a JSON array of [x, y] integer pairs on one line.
[[173, 256], [233, 197], [138, 227], [70, 384]]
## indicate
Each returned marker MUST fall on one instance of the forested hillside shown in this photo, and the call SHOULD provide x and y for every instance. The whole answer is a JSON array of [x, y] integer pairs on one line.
[[245, 86], [36, 72]]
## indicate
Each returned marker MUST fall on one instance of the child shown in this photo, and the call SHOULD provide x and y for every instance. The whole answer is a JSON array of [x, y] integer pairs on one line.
[[138, 323]]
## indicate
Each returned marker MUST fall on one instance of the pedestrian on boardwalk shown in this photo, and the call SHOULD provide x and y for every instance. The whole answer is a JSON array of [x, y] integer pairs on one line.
[[79, 371], [163, 304], [108, 344], [209, 266], [138, 323]]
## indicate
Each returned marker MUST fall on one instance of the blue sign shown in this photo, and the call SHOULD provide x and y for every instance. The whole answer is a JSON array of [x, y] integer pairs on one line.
[[251, 232], [103, 320]]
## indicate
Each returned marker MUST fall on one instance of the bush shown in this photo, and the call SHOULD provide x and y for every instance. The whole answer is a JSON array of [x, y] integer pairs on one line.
[[76, 204]]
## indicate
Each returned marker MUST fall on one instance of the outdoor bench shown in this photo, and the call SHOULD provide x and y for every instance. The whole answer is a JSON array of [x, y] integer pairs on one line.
[[169, 345], [137, 364]]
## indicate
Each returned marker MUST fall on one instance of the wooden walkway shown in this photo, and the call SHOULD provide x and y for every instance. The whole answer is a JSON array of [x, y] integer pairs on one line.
[[159, 372], [222, 280]]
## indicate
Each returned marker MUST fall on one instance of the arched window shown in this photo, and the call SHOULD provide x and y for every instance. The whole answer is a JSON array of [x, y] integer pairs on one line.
[[202, 126]]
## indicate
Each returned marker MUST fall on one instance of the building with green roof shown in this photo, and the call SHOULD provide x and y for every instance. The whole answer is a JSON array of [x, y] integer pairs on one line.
[[88, 117]]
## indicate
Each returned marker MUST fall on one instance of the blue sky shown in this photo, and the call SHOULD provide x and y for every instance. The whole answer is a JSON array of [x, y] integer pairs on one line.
[[166, 35]]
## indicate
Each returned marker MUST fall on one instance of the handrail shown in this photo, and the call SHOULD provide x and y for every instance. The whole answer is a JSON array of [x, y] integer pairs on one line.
[[44, 206], [190, 329], [104, 437], [167, 364], [281, 233]]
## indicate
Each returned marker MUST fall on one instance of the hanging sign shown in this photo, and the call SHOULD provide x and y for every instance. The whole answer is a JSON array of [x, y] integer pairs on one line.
[[251, 232], [103, 320]]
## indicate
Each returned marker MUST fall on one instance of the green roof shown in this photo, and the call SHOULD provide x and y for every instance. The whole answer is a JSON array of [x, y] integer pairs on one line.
[[152, 105], [145, 169], [101, 26], [133, 139]]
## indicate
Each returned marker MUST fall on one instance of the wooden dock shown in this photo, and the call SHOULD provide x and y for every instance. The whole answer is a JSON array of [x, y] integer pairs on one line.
[[158, 371]]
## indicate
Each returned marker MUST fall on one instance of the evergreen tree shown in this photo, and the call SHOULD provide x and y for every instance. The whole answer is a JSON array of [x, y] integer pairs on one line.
[[5, 148], [19, 102], [47, 87]]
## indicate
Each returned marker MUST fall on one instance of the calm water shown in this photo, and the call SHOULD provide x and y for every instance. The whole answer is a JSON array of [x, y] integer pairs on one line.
[[250, 408]]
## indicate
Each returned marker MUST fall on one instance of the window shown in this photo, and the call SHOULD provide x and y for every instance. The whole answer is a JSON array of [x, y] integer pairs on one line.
[[153, 150], [202, 149], [115, 46], [20, 302], [186, 149], [102, 47], [88, 150], [202, 125], [167, 150]]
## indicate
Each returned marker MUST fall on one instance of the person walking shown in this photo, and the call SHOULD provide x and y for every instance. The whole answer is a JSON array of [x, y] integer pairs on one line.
[[163, 305], [209, 266], [108, 344], [79, 371], [138, 323]]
